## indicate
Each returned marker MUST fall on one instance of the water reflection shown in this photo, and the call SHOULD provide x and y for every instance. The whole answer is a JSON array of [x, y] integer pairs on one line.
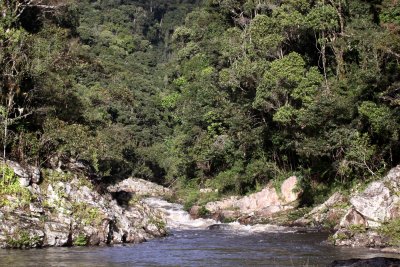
[[197, 248]]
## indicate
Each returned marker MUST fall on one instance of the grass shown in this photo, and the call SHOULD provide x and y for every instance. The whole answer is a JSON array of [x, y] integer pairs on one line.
[[10, 186], [391, 230], [86, 214], [158, 222], [22, 239], [357, 228], [80, 240]]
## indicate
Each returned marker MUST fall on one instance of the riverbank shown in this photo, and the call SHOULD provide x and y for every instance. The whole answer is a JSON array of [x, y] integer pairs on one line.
[[46, 208], [369, 217]]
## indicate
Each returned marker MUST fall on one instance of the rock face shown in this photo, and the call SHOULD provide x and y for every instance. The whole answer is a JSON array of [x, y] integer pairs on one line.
[[326, 215], [26, 175], [264, 203], [379, 203], [375, 203], [65, 210], [140, 187]]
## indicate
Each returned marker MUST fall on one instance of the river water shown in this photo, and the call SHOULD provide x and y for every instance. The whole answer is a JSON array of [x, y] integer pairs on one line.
[[192, 244]]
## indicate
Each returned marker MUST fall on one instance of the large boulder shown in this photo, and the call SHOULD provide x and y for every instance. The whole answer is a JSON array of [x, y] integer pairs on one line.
[[374, 203], [379, 202], [370, 209], [264, 203], [140, 187], [289, 190]]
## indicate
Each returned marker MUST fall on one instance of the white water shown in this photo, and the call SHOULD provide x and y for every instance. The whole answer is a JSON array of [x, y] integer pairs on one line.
[[176, 217], [179, 219]]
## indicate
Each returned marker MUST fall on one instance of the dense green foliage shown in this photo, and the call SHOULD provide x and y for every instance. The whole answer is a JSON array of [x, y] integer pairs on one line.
[[226, 94], [263, 88]]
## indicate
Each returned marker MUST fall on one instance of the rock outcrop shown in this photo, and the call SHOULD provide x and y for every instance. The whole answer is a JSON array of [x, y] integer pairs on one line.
[[140, 187], [261, 204], [26, 175], [364, 222], [327, 215], [65, 210]]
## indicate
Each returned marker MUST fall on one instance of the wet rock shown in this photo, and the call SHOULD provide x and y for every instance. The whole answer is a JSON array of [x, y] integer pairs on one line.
[[358, 237], [373, 262], [219, 226], [195, 212], [246, 220], [57, 234], [227, 215]]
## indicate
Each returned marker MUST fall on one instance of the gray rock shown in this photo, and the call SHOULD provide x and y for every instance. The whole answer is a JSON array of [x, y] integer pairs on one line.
[[373, 262], [26, 175], [64, 212], [327, 214], [264, 203], [57, 234], [373, 203], [219, 226], [140, 187], [353, 217], [379, 203]]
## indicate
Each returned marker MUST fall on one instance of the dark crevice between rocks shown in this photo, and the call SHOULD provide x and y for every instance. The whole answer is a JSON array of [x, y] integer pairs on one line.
[[110, 234], [122, 197], [70, 242]]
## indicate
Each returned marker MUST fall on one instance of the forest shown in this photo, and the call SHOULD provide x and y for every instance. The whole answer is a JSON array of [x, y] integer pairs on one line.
[[222, 94]]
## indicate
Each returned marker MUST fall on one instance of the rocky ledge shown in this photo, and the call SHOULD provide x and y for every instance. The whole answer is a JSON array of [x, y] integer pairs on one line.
[[373, 217], [140, 187], [63, 209], [256, 207], [368, 218]]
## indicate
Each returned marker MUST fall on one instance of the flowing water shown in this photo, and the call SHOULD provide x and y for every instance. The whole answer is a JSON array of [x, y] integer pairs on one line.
[[195, 243]]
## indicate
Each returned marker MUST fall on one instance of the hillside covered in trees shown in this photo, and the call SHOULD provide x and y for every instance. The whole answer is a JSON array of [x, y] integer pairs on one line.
[[228, 94]]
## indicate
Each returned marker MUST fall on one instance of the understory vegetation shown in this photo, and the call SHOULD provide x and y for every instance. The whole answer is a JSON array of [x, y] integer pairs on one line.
[[220, 94]]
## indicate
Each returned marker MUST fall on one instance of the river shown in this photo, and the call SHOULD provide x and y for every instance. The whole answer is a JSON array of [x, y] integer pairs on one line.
[[192, 244]]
